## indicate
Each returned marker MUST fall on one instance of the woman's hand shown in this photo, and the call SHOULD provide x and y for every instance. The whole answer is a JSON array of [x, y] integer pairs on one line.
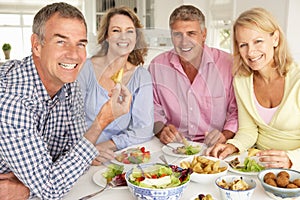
[[120, 100], [221, 150], [274, 159]]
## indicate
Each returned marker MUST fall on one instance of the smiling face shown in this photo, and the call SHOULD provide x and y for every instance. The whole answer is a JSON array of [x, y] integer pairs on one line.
[[188, 40], [121, 35], [62, 54], [256, 48]]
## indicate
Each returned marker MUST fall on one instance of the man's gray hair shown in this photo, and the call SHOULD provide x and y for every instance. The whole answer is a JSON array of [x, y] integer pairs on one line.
[[187, 13], [63, 9]]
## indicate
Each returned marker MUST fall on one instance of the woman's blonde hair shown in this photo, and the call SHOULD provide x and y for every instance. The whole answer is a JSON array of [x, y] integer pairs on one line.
[[135, 57], [261, 20]]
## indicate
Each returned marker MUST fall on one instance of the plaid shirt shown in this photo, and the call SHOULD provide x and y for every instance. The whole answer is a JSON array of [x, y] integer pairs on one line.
[[41, 138]]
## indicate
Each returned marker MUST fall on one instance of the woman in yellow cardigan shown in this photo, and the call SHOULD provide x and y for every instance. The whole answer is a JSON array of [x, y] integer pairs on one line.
[[267, 88]]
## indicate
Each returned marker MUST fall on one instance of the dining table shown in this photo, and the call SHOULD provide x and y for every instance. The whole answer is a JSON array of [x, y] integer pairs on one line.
[[86, 183]]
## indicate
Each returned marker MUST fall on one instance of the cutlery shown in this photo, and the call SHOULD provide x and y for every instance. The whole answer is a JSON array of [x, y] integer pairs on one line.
[[235, 166], [110, 184], [163, 158], [144, 175], [185, 142], [171, 147]]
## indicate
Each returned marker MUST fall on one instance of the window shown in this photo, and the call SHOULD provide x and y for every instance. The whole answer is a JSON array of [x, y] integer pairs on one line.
[[16, 30]]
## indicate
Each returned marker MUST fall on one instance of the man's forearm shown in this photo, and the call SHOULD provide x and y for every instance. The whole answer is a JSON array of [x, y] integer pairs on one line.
[[12, 188]]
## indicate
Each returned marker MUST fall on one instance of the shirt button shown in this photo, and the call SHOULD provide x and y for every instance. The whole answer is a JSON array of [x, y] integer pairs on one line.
[[191, 108], [192, 126]]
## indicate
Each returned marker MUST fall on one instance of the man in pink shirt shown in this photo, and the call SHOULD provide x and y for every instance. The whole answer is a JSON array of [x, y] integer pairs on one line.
[[192, 84]]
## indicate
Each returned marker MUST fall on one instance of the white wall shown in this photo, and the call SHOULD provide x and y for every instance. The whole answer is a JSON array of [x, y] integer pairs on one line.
[[292, 28], [162, 11], [278, 8]]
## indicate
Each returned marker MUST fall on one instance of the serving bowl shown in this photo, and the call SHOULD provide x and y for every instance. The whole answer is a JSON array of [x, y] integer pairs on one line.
[[230, 194], [143, 193], [208, 176], [279, 193]]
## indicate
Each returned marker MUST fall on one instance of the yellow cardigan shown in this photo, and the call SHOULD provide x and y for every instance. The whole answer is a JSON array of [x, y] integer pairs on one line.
[[283, 132]]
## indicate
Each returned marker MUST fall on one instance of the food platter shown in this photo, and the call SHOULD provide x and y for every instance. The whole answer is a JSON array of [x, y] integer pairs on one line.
[[153, 159], [99, 179], [168, 149], [196, 196], [241, 157]]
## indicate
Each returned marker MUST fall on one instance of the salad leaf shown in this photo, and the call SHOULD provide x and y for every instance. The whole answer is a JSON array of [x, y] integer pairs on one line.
[[112, 171], [187, 150], [250, 165], [191, 150]]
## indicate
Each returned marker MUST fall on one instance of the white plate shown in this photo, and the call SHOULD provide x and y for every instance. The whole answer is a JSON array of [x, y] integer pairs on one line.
[[99, 179], [127, 167], [169, 151], [241, 158]]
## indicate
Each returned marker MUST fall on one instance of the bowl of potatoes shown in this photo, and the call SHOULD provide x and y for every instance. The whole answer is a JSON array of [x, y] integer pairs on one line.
[[206, 169]]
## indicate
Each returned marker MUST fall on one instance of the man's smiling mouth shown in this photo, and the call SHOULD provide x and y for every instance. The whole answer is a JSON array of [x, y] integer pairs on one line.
[[186, 49], [68, 66]]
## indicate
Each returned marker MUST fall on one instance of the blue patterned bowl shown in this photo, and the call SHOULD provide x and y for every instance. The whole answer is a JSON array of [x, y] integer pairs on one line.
[[227, 194], [141, 193], [277, 192]]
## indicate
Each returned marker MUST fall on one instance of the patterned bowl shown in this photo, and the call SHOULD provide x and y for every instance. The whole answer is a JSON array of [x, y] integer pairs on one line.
[[277, 192], [141, 193], [227, 194]]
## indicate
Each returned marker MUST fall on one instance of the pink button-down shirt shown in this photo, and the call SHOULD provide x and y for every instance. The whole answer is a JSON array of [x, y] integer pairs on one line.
[[194, 108]]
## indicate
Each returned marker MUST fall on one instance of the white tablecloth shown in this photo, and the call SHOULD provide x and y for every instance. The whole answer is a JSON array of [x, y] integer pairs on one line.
[[85, 184]]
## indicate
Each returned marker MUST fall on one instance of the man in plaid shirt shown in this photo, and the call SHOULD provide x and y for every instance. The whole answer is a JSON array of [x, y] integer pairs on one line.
[[44, 144]]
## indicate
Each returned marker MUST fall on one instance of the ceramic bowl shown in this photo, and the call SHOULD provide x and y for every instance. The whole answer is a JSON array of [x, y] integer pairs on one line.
[[141, 193], [207, 178], [277, 192], [227, 194]]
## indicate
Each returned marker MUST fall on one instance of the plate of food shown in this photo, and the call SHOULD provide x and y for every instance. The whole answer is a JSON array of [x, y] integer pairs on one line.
[[183, 150], [245, 163], [113, 173], [203, 196], [132, 156]]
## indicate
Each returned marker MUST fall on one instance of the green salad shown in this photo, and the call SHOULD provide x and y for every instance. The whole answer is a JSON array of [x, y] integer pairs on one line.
[[112, 171], [187, 150], [250, 165], [159, 176]]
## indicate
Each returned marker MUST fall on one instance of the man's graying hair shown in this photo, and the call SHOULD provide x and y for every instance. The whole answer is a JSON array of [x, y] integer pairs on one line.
[[63, 9], [187, 13]]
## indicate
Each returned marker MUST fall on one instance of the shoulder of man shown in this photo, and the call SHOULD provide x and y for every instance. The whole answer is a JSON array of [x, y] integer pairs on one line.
[[219, 54]]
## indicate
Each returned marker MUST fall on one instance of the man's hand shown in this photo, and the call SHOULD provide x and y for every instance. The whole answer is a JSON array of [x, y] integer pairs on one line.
[[11, 188], [213, 137], [106, 152], [170, 134]]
